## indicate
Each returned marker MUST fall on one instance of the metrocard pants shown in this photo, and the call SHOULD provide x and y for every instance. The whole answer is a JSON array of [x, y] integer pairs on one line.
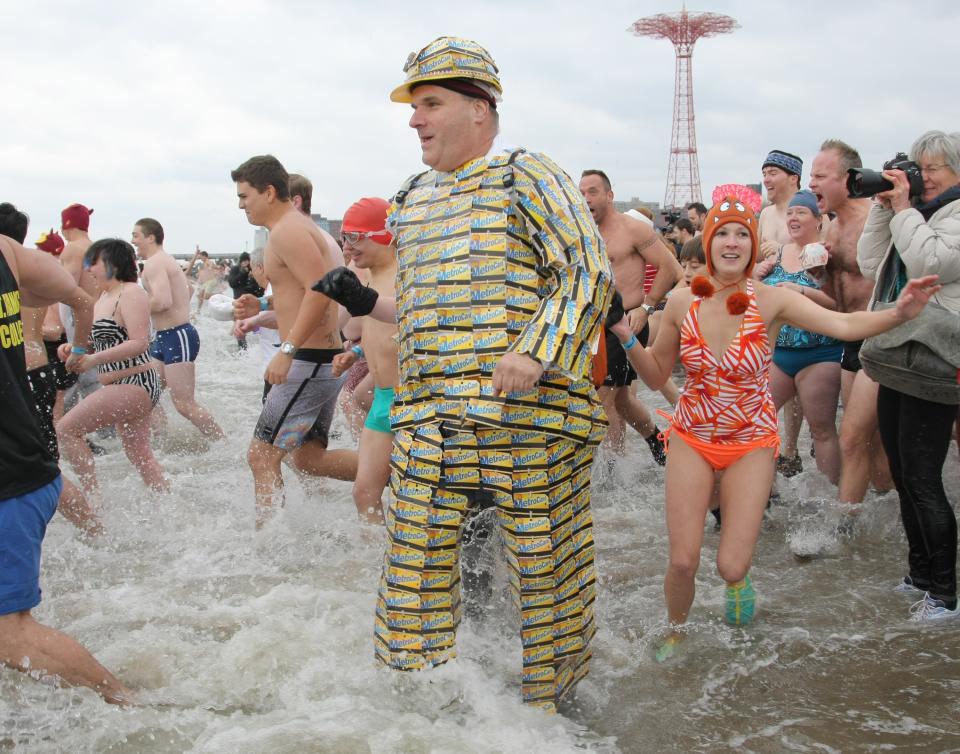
[[540, 486]]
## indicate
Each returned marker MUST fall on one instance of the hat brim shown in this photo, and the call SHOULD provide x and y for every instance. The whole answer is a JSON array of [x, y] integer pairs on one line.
[[403, 94]]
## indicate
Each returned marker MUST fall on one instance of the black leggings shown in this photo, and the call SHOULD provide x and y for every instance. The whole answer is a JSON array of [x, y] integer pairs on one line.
[[916, 436]]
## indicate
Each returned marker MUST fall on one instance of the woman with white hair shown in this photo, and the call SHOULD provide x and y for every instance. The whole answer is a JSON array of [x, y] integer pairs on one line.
[[908, 236]]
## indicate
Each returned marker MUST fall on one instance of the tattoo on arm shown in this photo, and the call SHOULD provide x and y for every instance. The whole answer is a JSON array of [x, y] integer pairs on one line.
[[646, 244]]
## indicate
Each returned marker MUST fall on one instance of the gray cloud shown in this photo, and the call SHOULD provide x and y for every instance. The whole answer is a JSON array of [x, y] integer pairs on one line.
[[142, 109]]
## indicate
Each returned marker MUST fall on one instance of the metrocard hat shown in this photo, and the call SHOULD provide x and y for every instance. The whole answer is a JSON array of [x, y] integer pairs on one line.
[[447, 58]]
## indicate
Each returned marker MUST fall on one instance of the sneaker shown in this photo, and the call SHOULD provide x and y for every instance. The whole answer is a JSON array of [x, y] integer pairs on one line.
[[656, 448], [741, 600], [906, 587], [789, 466], [930, 610]]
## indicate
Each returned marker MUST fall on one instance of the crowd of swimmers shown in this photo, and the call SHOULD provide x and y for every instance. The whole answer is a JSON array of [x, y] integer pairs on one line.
[[763, 307]]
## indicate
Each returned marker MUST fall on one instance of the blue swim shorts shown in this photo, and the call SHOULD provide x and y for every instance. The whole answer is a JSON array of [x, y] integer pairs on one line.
[[378, 417], [176, 345], [23, 522], [791, 361]]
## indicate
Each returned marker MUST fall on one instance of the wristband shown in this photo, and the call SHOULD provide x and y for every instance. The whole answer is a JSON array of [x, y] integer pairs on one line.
[[358, 351], [78, 350], [630, 343], [264, 303]]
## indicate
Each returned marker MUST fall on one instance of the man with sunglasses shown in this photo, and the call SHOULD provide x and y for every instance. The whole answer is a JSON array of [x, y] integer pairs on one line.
[[298, 410], [502, 285]]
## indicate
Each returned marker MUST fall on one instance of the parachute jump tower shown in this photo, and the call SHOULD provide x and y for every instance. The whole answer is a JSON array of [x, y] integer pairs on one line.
[[683, 29]]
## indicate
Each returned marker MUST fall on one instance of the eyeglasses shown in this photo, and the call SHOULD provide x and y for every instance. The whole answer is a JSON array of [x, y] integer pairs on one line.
[[352, 236], [930, 169]]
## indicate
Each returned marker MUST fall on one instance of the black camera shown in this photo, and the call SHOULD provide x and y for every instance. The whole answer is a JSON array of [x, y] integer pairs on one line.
[[863, 183], [670, 216]]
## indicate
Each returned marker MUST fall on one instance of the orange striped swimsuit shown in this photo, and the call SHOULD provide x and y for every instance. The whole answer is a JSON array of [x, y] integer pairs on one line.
[[726, 410]]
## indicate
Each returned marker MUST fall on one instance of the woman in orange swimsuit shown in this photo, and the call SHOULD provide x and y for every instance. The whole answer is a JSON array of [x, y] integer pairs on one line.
[[723, 328]]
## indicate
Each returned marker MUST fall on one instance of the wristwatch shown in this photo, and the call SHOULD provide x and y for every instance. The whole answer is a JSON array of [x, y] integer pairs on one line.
[[648, 308], [287, 348]]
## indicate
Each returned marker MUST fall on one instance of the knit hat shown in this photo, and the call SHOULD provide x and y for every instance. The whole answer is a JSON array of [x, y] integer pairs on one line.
[[446, 58], [730, 210], [50, 242], [785, 161], [366, 216], [76, 216], [804, 198]]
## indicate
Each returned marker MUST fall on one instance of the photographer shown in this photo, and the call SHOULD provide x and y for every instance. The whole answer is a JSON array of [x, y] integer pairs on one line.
[[909, 234]]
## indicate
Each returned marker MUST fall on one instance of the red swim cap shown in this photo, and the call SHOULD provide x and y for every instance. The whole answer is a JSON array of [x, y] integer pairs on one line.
[[50, 242], [366, 216], [76, 216]]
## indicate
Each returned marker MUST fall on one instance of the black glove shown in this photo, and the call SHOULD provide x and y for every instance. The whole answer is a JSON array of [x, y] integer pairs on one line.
[[344, 287], [615, 313]]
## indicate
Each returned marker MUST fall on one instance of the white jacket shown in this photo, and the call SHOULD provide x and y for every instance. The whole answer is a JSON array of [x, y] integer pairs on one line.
[[926, 248]]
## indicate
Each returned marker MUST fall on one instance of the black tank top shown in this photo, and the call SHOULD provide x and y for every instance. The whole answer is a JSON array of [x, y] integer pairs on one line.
[[25, 462]]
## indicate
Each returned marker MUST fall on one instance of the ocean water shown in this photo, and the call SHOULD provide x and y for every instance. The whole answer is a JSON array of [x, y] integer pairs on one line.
[[241, 641]]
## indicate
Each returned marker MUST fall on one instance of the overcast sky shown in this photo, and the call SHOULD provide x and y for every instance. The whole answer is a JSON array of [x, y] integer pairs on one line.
[[142, 109]]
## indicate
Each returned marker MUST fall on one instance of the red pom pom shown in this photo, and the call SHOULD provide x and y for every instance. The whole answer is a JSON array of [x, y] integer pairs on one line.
[[737, 303], [701, 286]]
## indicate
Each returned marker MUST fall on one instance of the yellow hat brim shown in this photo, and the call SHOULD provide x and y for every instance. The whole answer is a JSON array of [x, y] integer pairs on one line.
[[402, 92]]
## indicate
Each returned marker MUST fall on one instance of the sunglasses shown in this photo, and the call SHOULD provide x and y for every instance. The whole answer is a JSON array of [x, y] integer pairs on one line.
[[352, 236]]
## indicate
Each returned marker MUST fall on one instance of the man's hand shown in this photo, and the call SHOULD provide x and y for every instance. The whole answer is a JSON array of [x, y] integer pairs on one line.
[[615, 312], [243, 326], [637, 318], [278, 368], [342, 362], [343, 286], [516, 372], [246, 306]]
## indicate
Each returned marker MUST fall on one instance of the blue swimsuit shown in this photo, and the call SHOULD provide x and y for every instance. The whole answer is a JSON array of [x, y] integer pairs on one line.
[[797, 349]]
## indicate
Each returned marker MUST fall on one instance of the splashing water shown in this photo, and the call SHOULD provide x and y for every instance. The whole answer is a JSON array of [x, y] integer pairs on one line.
[[241, 641]]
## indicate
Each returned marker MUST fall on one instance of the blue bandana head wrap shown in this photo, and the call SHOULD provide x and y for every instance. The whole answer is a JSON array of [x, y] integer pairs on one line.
[[785, 161]]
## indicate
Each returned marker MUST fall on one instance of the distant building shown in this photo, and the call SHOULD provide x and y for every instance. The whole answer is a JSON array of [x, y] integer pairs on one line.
[[636, 203]]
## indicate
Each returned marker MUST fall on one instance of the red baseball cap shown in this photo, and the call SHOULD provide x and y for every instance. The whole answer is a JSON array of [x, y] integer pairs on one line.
[[76, 216]]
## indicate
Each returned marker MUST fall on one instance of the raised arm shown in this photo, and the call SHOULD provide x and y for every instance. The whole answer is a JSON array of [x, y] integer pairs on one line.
[[793, 309]]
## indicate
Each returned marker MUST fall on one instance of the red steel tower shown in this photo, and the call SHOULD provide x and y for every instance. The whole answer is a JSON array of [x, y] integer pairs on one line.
[[683, 29]]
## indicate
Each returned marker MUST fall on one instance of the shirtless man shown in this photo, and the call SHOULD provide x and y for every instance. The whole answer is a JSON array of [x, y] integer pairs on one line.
[[697, 213], [371, 247], [42, 375], [176, 343], [861, 454], [631, 246], [781, 178], [208, 277], [75, 224], [298, 410]]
